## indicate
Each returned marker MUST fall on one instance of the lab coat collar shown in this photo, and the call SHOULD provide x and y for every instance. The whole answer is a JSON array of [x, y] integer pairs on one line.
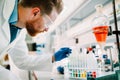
[[8, 8], [14, 16], [7, 11]]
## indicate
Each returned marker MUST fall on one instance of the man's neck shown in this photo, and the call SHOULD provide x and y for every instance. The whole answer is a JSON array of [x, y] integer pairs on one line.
[[21, 17], [20, 24]]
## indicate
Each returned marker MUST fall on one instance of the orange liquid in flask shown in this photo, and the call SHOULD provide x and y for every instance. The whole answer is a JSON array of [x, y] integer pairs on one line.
[[101, 33]]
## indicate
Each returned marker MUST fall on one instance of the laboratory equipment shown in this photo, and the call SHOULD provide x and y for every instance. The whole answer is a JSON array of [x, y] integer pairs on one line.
[[100, 26], [111, 58], [81, 66]]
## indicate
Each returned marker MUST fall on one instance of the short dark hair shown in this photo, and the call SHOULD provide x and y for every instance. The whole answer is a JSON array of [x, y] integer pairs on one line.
[[46, 6]]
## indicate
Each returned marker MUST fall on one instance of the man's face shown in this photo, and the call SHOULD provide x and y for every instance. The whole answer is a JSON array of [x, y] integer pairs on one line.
[[40, 24], [35, 26]]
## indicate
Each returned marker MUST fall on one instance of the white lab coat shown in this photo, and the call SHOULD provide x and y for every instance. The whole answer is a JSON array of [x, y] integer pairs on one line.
[[17, 49]]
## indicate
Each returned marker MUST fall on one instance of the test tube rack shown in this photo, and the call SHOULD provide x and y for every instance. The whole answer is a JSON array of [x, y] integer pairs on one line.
[[81, 66]]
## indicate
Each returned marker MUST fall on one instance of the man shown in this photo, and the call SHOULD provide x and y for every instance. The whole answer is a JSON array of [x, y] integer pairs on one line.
[[15, 18]]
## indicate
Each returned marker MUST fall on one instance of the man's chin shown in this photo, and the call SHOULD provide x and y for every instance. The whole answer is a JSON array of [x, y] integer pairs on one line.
[[32, 34]]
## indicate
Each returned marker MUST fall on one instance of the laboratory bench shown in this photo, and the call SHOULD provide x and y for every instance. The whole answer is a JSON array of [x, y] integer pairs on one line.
[[45, 75], [49, 76]]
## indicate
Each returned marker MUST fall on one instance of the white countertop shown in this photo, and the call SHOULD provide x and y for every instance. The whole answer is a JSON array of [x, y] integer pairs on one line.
[[49, 76]]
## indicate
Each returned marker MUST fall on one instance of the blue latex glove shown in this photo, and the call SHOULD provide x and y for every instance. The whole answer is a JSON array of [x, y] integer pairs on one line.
[[62, 53], [60, 69]]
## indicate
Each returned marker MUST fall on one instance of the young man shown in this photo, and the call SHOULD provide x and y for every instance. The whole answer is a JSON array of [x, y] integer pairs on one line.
[[15, 18]]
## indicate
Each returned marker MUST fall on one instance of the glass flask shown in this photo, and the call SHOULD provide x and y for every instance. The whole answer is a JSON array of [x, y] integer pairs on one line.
[[100, 24]]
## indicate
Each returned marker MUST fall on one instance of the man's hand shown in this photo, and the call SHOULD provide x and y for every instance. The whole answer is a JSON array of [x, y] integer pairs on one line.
[[62, 53], [59, 55]]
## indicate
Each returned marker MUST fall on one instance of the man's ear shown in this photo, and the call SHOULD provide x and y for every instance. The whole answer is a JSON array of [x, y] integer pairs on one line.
[[36, 12]]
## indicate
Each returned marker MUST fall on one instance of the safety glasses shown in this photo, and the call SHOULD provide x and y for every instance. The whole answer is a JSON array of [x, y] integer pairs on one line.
[[47, 21]]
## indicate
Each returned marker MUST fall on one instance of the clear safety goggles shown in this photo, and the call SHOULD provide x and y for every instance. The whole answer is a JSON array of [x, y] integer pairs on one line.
[[47, 21]]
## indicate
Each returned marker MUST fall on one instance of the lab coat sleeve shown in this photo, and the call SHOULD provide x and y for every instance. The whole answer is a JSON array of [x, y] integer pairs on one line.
[[21, 58]]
